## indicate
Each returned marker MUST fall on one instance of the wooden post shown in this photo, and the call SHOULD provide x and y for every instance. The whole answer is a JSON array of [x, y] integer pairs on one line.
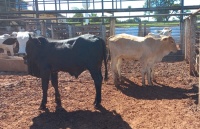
[[112, 26], [198, 67], [140, 29], [43, 28], [187, 34], [52, 32], [145, 30], [192, 44], [27, 27], [182, 37], [103, 32], [70, 31]]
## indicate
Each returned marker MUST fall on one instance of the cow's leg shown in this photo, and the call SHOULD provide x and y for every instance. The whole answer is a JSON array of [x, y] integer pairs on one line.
[[119, 63], [97, 77], [152, 74], [114, 70], [54, 81], [45, 83], [149, 76], [143, 77], [5, 51], [144, 71], [11, 50]]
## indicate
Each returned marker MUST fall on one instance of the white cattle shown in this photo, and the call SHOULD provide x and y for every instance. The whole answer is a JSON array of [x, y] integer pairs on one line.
[[147, 50], [165, 32], [22, 38], [6, 45]]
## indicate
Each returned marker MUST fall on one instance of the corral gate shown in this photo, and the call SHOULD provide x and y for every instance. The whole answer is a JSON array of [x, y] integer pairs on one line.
[[192, 43], [64, 31]]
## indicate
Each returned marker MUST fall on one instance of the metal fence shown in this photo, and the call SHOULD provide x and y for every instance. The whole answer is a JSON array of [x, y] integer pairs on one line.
[[192, 43]]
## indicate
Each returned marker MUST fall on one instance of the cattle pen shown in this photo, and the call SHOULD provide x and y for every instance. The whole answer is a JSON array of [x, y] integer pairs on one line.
[[172, 102], [191, 38]]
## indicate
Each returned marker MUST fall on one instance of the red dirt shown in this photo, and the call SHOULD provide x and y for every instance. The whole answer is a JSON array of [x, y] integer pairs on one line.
[[169, 104]]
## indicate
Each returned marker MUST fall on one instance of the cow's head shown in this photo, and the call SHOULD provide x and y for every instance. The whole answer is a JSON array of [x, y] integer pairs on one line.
[[22, 38], [166, 31], [14, 34], [169, 43], [33, 54]]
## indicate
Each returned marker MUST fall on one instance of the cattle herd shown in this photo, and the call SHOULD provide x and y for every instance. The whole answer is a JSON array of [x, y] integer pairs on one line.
[[46, 57]]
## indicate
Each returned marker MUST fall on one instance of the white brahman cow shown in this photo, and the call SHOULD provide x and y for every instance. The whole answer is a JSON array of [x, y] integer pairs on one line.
[[165, 32], [147, 50], [7, 43], [22, 38]]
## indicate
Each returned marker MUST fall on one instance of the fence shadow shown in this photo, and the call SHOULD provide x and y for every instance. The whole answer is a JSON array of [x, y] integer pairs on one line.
[[80, 119], [158, 91]]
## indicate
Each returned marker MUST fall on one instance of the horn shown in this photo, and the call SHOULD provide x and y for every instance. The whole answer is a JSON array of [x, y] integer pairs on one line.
[[30, 36]]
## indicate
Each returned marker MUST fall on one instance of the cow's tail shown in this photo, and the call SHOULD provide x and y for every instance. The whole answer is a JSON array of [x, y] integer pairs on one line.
[[108, 50], [105, 60]]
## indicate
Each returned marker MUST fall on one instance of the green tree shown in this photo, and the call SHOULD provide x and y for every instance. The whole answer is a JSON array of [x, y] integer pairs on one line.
[[77, 15], [161, 3], [94, 19], [132, 20]]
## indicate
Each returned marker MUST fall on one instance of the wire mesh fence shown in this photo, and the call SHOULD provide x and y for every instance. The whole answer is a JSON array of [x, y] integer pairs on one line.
[[192, 43]]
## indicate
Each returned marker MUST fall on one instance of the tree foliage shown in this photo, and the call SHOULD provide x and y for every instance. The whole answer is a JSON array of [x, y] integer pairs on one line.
[[94, 19], [161, 3], [77, 15]]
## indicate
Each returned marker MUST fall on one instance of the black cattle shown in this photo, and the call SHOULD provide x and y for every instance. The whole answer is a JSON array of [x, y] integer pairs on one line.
[[45, 59]]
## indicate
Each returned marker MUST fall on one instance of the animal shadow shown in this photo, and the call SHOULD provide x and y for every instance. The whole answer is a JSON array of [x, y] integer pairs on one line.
[[80, 119], [158, 91]]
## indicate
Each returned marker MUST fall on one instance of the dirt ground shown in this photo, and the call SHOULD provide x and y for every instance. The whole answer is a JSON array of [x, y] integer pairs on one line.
[[170, 104]]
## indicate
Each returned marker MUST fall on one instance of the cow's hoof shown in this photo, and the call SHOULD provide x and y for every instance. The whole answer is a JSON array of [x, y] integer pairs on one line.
[[59, 107], [97, 105], [43, 108], [150, 84], [117, 83], [144, 85]]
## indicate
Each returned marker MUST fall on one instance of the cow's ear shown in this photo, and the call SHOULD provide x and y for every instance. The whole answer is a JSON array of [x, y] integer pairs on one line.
[[164, 38]]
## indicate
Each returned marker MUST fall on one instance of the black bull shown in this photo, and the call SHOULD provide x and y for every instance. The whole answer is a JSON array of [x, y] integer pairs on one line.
[[45, 59]]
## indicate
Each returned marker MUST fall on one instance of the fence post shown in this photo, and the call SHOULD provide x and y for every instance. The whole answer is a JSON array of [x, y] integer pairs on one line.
[[103, 32], [182, 39], [43, 28], [192, 44], [52, 31], [70, 31], [187, 30], [112, 26], [145, 30], [27, 26], [140, 29]]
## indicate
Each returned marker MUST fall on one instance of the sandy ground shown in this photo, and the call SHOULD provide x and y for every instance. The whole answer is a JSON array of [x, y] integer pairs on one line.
[[170, 104]]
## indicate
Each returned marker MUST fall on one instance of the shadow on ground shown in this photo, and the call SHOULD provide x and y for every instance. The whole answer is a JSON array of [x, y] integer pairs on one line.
[[61, 119], [158, 91]]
